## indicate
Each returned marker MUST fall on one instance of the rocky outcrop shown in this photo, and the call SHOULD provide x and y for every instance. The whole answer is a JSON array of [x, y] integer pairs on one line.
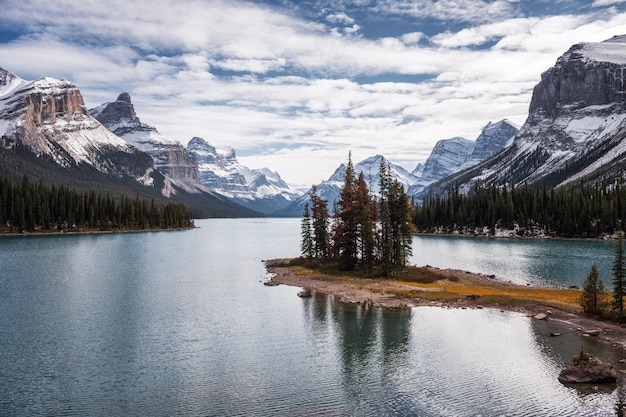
[[588, 370], [48, 116], [170, 156]]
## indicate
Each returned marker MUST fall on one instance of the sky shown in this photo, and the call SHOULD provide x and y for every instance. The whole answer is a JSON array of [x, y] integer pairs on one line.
[[295, 85]]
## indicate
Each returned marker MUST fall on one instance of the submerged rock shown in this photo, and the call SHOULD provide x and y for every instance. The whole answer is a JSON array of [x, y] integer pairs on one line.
[[589, 370]]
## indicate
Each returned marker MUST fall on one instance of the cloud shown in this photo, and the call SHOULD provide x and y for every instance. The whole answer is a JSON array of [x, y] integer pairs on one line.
[[280, 89]]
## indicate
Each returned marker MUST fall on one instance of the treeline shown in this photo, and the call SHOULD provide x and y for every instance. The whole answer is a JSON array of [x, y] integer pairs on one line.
[[586, 210], [363, 233], [35, 207]]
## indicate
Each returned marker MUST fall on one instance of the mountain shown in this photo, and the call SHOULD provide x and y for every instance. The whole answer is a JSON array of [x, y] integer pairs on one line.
[[48, 118], [330, 189], [575, 126], [259, 189], [170, 156], [47, 134], [492, 139], [450, 156]]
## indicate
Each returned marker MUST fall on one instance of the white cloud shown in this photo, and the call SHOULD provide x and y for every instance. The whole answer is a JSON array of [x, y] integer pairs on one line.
[[295, 100]]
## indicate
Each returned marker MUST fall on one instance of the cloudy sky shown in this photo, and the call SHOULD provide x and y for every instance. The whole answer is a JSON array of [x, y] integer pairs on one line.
[[294, 85]]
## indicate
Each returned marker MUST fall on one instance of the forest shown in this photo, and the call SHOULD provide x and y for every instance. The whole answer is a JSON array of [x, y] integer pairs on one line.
[[35, 207], [582, 211]]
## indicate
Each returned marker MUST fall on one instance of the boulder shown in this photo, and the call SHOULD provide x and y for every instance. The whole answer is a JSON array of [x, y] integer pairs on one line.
[[590, 370], [541, 316]]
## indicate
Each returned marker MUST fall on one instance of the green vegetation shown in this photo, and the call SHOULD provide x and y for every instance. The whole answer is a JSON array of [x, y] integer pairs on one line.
[[374, 237], [589, 210], [35, 207], [594, 296]]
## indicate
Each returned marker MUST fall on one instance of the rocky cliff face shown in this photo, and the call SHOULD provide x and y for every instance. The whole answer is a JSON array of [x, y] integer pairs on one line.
[[450, 156], [493, 138], [170, 156], [220, 171], [575, 127], [48, 116]]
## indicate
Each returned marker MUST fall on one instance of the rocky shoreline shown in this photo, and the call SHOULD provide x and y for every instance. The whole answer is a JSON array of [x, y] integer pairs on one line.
[[384, 294]]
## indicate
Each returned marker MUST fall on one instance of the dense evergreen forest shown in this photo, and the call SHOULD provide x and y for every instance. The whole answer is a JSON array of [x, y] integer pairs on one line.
[[35, 207], [585, 210]]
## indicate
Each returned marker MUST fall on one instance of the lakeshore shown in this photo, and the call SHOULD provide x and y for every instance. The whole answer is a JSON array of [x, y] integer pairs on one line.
[[453, 288]]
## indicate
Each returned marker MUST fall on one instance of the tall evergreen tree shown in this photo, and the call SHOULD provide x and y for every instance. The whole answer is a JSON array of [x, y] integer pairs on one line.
[[386, 232], [346, 230], [367, 224], [320, 216], [591, 298], [307, 246], [619, 269]]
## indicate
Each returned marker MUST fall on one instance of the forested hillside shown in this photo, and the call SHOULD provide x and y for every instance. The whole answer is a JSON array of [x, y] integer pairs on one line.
[[587, 210], [35, 207]]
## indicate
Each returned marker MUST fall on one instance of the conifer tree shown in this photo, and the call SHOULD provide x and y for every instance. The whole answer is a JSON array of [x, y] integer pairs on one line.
[[319, 214], [619, 269], [367, 224], [346, 230], [592, 297], [306, 246]]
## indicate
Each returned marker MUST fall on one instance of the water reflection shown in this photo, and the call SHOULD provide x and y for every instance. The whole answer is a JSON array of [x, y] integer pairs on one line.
[[433, 361], [522, 261]]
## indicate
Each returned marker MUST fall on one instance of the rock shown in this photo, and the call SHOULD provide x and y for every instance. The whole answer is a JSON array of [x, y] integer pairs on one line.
[[588, 371], [270, 283], [304, 293], [541, 316], [592, 332]]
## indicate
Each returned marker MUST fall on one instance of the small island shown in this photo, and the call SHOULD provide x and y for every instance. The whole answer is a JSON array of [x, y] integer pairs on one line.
[[446, 288]]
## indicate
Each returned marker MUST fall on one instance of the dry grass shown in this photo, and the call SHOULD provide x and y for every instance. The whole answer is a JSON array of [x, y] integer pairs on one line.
[[449, 286]]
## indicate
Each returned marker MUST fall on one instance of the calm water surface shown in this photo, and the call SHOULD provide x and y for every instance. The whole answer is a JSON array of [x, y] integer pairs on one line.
[[178, 323], [523, 261]]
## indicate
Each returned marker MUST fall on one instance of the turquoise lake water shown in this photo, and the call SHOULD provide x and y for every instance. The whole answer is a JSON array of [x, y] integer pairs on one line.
[[179, 323]]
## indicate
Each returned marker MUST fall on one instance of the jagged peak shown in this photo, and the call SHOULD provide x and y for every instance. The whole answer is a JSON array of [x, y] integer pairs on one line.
[[125, 98], [7, 77]]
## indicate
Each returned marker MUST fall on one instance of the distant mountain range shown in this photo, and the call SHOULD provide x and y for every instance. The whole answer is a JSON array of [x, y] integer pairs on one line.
[[200, 167], [47, 133], [447, 157], [574, 132]]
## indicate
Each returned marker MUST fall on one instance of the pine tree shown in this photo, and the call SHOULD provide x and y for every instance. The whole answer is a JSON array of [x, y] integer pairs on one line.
[[346, 230], [319, 214], [591, 299], [306, 246], [619, 269], [367, 224]]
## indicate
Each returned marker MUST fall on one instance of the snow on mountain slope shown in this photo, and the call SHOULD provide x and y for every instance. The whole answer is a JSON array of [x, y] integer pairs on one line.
[[170, 156], [450, 156], [330, 189], [220, 171], [576, 123], [49, 117]]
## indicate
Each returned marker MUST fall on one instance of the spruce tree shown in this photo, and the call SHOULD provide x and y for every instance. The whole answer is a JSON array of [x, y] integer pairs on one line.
[[591, 299], [346, 230], [319, 213], [306, 246], [619, 269]]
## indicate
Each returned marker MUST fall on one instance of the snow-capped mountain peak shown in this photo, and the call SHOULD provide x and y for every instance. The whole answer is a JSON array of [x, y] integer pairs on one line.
[[220, 171]]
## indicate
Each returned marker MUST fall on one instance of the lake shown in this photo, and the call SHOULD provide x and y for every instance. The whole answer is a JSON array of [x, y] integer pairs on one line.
[[179, 323]]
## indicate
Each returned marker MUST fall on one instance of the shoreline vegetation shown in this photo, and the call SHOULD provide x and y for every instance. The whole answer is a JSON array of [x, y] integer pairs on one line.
[[446, 288]]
